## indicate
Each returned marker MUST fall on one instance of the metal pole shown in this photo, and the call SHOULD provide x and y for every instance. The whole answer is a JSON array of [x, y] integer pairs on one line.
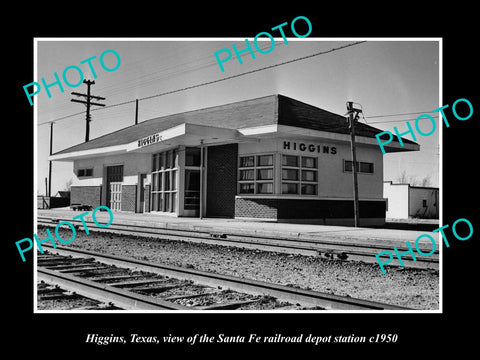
[[50, 162], [201, 179]]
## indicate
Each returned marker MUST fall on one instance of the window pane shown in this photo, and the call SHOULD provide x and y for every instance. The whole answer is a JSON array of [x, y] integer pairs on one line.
[[154, 162], [174, 180], [289, 174], [154, 202], [81, 172], [247, 174], [248, 188], [247, 161], [366, 167], [161, 161], [288, 188], [160, 182], [264, 174], [265, 188], [309, 189], [160, 201], [192, 156], [175, 158], [168, 160], [154, 182], [309, 162], [265, 160], [174, 201], [309, 175], [166, 199], [348, 165], [289, 160], [166, 180]]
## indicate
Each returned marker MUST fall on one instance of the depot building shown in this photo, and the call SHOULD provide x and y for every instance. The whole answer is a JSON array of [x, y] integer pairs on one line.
[[270, 158]]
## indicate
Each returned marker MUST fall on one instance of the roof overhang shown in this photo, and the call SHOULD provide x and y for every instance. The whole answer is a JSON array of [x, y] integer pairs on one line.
[[275, 131], [183, 134]]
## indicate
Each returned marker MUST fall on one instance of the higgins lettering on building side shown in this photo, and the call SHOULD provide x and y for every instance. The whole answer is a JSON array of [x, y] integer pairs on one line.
[[292, 145]]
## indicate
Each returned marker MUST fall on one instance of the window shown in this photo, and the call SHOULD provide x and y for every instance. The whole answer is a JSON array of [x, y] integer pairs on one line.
[[84, 172], [256, 174], [299, 175], [424, 203], [164, 181], [362, 167]]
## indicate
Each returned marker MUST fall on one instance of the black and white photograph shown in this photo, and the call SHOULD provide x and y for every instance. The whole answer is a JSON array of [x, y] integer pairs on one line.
[[254, 183], [278, 187]]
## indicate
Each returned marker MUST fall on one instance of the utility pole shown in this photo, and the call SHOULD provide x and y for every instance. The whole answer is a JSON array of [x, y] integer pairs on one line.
[[353, 118], [88, 103], [50, 162], [136, 111]]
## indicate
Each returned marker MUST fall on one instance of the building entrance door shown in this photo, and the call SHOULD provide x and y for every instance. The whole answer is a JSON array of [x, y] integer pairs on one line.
[[192, 192], [141, 193], [114, 186]]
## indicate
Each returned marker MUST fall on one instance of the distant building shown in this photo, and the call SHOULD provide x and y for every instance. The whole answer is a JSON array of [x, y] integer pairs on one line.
[[406, 201]]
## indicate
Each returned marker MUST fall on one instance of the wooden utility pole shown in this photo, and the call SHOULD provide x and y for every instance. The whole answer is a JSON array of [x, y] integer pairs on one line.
[[88, 103], [136, 111], [353, 118], [50, 162]]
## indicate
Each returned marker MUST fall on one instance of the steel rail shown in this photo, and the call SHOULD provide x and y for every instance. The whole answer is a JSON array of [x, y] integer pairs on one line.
[[249, 286], [104, 293], [304, 246]]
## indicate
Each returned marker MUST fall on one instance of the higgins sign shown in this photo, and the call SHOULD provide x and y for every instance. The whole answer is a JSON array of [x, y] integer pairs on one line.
[[292, 145]]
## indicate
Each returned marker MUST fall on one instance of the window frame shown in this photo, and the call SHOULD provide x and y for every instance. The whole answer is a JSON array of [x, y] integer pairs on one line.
[[163, 175], [359, 165], [299, 182], [85, 170], [255, 167]]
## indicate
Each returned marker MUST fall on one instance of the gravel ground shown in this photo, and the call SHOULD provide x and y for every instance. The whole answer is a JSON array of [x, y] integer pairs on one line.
[[413, 288]]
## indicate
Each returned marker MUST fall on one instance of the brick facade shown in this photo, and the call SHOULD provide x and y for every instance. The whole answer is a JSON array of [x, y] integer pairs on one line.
[[279, 209], [256, 208], [129, 196], [222, 180], [86, 195], [147, 198]]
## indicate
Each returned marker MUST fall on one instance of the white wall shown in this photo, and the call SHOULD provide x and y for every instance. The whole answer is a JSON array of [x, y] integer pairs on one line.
[[333, 182], [133, 164], [397, 195], [417, 195]]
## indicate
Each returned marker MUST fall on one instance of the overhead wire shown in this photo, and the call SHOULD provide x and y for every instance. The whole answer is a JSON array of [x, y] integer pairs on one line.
[[220, 80]]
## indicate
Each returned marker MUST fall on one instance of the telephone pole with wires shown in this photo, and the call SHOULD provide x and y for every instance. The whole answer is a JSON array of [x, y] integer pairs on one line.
[[88, 103], [353, 115]]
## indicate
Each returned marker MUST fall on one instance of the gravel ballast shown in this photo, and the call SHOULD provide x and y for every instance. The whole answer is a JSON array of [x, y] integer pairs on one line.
[[413, 288]]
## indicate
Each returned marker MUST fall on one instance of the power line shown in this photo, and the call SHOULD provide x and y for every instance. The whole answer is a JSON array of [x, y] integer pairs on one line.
[[388, 115], [392, 121], [223, 79]]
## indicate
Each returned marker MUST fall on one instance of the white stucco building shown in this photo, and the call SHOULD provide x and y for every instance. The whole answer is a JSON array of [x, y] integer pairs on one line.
[[406, 201]]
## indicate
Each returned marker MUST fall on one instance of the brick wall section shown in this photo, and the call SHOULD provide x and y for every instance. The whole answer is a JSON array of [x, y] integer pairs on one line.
[[129, 193], [222, 180], [305, 209], [147, 198], [256, 208], [86, 195]]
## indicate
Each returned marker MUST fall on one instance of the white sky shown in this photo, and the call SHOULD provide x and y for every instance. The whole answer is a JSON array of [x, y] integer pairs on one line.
[[385, 77]]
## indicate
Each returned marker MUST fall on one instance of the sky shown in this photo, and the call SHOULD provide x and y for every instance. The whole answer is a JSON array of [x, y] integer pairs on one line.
[[384, 76]]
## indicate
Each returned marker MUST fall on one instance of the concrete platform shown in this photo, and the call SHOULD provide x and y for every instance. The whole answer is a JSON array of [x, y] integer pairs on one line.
[[294, 231]]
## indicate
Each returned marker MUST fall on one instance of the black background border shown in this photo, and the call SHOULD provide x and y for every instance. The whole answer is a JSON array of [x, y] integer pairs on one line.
[[418, 333]]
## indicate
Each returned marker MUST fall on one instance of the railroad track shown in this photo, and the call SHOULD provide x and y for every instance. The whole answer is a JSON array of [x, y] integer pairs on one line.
[[342, 249], [133, 284]]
